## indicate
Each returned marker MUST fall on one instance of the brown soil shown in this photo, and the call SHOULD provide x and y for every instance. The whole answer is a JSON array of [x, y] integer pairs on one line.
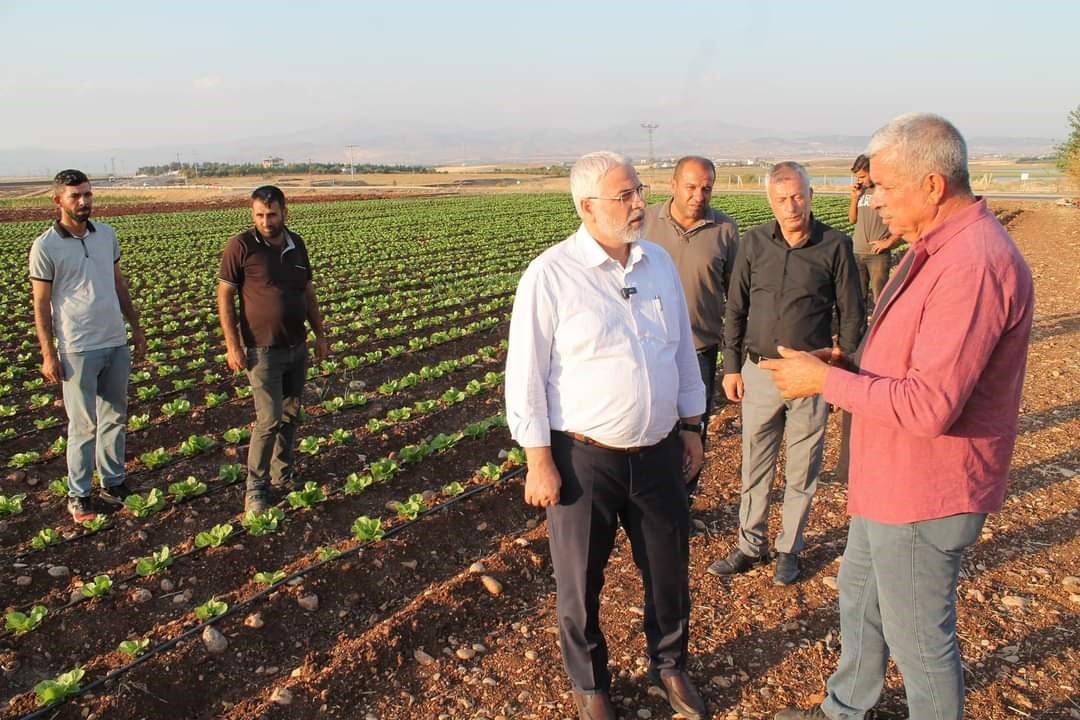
[[756, 648]]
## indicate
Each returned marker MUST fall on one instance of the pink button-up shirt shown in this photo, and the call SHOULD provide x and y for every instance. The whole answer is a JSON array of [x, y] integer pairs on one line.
[[935, 402]]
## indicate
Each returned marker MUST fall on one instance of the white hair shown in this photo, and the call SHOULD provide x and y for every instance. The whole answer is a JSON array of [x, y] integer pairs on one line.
[[925, 143], [788, 167], [589, 171]]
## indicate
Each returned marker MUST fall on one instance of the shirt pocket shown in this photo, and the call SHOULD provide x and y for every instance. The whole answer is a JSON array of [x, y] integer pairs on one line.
[[658, 318]]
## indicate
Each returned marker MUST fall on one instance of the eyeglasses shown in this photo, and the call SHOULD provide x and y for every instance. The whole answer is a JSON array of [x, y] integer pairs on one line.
[[627, 196]]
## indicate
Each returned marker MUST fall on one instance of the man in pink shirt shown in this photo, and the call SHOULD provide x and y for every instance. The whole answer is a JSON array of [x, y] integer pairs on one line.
[[934, 393]]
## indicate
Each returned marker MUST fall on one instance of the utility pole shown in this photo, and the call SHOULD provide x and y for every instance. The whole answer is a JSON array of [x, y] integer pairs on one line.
[[649, 127], [349, 158]]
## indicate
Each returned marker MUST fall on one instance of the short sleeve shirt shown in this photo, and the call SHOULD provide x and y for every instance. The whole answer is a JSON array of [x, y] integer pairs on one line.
[[85, 308], [272, 281], [869, 227]]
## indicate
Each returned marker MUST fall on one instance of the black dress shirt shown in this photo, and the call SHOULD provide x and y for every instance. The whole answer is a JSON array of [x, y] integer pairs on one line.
[[784, 295]]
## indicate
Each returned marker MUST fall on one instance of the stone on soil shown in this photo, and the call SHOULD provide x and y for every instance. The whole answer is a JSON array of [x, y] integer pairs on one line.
[[214, 641]]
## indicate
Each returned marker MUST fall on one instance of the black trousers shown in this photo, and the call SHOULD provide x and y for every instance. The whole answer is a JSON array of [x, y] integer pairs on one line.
[[645, 493]]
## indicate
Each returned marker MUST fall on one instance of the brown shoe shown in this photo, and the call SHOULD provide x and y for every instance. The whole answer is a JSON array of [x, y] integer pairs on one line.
[[594, 706], [681, 694]]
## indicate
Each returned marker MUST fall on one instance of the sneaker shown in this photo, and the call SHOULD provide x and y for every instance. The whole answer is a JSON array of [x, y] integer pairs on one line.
[[797, 714], [787, 568], [255, 502], [116, 494], [737, 563], [81, 509]]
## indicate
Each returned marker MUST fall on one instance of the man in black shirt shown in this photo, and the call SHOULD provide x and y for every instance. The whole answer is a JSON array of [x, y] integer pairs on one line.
[[789, 275]]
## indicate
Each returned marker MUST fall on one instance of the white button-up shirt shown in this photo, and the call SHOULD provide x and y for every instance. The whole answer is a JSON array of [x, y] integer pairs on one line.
[[585, 358]]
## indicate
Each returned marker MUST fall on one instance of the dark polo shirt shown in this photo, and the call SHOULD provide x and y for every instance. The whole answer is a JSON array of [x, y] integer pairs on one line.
[[783, 295], [704, 255], [271, 281]]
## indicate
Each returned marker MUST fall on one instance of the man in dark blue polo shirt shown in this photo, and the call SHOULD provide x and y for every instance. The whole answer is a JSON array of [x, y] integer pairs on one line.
[[268, 267]]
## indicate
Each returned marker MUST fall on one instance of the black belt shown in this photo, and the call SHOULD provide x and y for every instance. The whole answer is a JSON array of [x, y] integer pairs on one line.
[[756, 358], [586, 440]]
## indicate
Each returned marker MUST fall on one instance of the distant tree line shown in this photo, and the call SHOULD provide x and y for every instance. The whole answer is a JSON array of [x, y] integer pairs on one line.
[[214, 169]]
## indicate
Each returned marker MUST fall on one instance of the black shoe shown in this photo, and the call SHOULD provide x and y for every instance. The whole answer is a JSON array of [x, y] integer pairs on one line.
[[736, 563], [787, 568], [116, 494], [796, 714], [288, 482], [594, 706], [680, 692], [255, 502], [81, 509]]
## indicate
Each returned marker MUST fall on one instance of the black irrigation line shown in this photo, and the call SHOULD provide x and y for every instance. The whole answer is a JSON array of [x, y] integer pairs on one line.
[[233, 609]]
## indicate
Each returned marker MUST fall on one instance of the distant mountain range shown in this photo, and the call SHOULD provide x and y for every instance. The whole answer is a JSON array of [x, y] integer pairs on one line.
[[482, 146]]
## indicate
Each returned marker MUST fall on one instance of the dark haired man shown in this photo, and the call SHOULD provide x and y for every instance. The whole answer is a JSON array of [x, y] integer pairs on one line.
[[80, 302], [268, 267], [702, 241], [871, 239]]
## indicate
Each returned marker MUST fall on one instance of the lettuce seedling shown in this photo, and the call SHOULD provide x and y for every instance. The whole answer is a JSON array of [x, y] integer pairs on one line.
[[334, 404], [452, 396], [308, 497], [51, 692], [453, 489], [58, 487], [236, 435], [366, 529], [40, 400], [153, 459], [356, 483], [516, 456], [134, 648], [95, 524], [442, 441], [46, 422], [140, 506], [214, 537], [196, 444], [211, 609], [138, 422], [263, 523], [12, 505], [158, 561], [491, 471], [44, 538], [243, 391], [59, 446], [231, 473], [270, 578], [188, 488], [176, 407], [327, 553], [101, 585], [147, 392], [340, 436], [22, 623], [215, 399], [411, 508], [310, 445], [22, 459]]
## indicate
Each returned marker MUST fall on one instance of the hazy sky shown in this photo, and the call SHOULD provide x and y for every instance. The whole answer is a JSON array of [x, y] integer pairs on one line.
[[130, 74]]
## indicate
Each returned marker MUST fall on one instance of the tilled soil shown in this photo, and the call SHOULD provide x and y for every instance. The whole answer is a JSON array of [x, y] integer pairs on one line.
[[407, 628]]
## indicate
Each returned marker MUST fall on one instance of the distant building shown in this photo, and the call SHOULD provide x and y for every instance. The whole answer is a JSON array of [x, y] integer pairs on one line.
[[271, 163]]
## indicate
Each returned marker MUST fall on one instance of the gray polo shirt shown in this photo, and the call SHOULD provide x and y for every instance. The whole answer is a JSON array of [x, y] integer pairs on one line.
[[85, 308], [869, 227], [704, 256]]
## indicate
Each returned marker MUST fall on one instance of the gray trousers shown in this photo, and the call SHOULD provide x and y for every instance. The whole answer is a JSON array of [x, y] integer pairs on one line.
[[277, 378], [767, 418], [898, 597], [95, 399]]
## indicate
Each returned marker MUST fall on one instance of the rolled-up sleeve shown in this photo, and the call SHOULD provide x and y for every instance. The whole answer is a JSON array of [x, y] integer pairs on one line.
[[528, 361]]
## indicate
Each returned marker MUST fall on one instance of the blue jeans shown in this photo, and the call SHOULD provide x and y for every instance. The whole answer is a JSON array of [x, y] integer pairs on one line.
[[898, 596], [95, 399]]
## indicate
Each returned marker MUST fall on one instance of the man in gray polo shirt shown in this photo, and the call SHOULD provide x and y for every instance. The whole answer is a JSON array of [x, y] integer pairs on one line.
[[702, 241], [80, 302]]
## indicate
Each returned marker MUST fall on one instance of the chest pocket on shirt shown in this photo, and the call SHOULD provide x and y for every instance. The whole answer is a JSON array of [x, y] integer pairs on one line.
[[657, 318]]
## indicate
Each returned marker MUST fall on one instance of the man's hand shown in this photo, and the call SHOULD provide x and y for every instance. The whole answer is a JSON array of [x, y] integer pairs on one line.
[[542, 484], [51, 369], [797, 374], [139, 338], [856, 189], [322, 348], [236, 358], [733, 386], [693, 456]]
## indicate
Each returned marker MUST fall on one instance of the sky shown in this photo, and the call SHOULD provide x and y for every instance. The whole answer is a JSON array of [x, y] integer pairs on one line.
[[112, 74]]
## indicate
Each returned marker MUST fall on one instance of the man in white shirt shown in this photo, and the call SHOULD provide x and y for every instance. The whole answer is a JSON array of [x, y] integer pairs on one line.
[[604, 392]]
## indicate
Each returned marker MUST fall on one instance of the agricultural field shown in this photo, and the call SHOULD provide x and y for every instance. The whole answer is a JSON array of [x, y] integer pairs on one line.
[[408, 579]]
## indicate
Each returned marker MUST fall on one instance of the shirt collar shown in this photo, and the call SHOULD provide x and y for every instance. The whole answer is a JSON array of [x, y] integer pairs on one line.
[[65, 233], [816, 232], [953, 225], [708, 219], [592, 255], [289, 244]]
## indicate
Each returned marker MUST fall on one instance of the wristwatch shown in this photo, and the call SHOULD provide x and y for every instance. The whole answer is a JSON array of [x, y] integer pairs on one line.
[[691, 427]]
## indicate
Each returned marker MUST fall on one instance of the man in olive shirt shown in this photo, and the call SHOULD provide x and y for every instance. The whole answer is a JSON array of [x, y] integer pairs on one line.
[[268, 267], [702, 242], [871, 238], [789, 275]]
